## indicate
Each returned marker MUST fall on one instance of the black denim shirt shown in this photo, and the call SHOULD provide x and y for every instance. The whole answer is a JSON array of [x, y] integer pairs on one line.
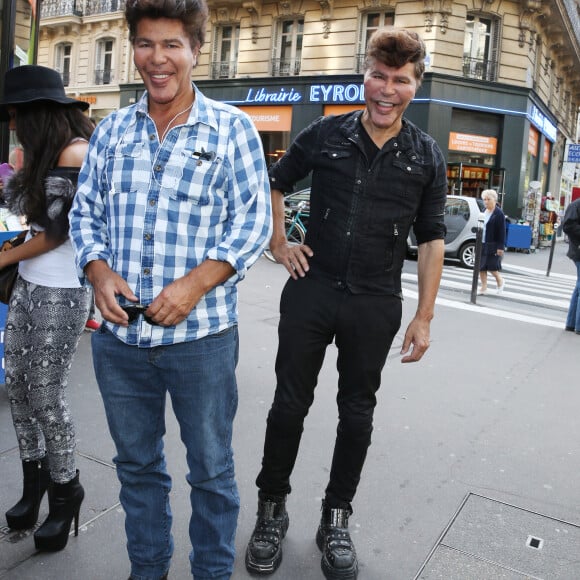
[[360, 214]]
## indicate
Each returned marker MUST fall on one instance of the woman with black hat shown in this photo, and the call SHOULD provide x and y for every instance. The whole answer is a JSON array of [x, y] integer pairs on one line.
[[48, 307]]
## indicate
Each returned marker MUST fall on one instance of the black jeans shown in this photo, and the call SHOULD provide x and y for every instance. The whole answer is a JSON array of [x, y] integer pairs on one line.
[[363, 327]]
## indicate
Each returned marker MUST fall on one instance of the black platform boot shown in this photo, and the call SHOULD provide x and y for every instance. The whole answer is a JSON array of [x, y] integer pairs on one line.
[[35, 482], [264, 552], [64, 501], [339, 561]]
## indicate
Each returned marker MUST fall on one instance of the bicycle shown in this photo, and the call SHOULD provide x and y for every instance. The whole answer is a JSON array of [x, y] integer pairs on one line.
[[294, 226]]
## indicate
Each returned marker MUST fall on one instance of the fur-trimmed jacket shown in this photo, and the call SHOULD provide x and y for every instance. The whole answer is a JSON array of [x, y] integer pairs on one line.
[[60, 188]]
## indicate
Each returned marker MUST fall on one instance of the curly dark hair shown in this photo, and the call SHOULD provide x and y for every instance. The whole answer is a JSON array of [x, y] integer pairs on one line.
[[396, 47], [44, 129], [192, 13]]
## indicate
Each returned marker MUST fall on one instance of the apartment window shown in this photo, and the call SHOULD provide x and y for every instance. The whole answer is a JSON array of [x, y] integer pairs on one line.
[[62, 61], [481, 47], [289, 48], [225, 57], [370, 22], [104, 62]]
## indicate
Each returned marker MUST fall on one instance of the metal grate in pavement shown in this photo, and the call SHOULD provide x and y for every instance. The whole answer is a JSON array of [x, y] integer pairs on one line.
[[488, 539]]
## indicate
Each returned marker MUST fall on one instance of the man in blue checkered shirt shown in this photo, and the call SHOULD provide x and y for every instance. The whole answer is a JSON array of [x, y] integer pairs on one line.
[[172, 209]]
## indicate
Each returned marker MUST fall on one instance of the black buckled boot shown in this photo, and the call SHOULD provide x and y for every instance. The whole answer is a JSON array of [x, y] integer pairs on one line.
[[339, 561], [35, 482], [264, 552], [64, 502]]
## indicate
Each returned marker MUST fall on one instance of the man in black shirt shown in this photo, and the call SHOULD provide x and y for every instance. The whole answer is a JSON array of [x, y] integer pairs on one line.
[[374, 175]]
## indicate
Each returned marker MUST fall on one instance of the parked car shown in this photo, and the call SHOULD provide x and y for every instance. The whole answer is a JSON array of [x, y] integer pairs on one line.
[[461, 215]]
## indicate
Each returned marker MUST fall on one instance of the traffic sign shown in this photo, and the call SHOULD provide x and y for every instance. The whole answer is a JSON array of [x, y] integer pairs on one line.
[[573, 153]]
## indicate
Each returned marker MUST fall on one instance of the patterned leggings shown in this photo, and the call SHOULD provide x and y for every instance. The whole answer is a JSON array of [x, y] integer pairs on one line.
[[43, 328]]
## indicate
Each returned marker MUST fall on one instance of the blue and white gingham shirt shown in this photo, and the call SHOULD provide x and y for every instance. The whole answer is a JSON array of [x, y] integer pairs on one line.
[[154, 211]]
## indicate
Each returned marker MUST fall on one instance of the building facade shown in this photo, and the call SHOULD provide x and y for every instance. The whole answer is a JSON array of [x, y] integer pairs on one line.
[[500, 94], [18, 26]]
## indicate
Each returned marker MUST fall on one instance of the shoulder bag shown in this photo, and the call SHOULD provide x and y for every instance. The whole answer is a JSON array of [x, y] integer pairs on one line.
[[9, 274]]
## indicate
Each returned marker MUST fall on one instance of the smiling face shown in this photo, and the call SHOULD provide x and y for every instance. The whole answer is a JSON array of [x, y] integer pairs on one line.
[[388, 92], [164, 58]]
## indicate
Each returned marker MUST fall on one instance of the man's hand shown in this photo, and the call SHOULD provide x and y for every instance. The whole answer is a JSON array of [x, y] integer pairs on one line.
[[175, 302], [293, 257], [178, 299], [429, 269], [417, 335], [107, 286]]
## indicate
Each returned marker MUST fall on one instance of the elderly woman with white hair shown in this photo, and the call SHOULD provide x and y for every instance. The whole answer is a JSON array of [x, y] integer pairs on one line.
[[494, 234]]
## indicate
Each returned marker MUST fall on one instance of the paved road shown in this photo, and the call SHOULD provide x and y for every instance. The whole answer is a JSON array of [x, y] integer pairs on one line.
[[492, 410]]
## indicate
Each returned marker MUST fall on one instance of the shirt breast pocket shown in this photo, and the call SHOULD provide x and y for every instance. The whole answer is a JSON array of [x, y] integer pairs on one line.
[[127, 168], [408, 178], [193, 178], [337, 162]]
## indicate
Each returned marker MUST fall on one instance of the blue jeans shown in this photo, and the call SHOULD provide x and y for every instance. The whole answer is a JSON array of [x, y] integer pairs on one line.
[[573, 318], [200, 379]]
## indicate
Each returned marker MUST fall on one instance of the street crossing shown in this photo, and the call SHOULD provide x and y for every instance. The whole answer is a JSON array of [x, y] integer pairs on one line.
[[526, 291]]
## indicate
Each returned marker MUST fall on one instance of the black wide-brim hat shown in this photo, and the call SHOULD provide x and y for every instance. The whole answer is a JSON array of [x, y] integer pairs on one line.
[[31, 83]]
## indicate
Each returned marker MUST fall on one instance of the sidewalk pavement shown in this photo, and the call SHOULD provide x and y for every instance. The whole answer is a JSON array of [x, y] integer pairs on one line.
[[492, 409], [538, 261]]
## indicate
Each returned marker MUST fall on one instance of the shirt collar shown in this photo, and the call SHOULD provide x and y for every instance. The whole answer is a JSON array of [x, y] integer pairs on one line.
[[200, 112]]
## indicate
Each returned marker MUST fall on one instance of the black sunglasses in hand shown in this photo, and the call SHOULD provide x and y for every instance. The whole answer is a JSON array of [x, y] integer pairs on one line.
[[135, 310]]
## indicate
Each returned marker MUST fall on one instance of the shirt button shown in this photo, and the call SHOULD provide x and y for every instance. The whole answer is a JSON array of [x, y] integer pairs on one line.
[[147, 237], [358, 181], [146, 271], [152, 137], [151, 202], [395, 144], [348, 233], [158, 168], [408, 168]]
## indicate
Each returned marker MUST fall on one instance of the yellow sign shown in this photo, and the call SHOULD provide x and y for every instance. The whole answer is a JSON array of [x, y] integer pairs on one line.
[[472, 143], [92, 100], [274, 118]]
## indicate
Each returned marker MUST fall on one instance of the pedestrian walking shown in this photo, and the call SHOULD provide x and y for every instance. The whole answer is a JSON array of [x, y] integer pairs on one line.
[[173, 207], [48, 307], [374, 174], [494, 234], [571, 227]]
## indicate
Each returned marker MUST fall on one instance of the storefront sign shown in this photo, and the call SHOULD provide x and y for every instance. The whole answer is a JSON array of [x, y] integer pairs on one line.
[[573, 153], [543, 123], [472, 143], [270, 118], [337, 93], [546, 152], [533, 142], [341, 109], [280, 95], [92, 100]]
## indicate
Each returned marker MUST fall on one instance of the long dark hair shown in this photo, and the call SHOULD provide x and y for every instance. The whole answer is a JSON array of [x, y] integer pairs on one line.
[[44, 129]]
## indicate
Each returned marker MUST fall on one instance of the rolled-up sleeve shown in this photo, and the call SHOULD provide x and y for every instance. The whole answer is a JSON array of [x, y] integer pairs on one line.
[[88, 227], [430, 221], [249, 213], [296, 163]]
